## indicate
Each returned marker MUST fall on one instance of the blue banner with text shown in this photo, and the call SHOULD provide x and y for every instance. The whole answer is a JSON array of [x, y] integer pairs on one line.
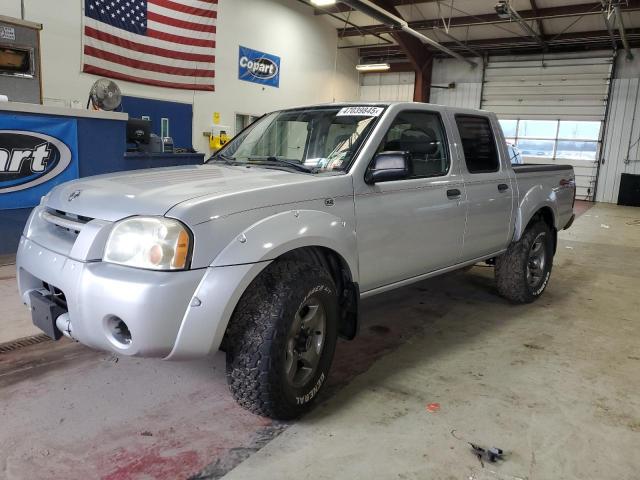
[[258, 67], [36, 154]]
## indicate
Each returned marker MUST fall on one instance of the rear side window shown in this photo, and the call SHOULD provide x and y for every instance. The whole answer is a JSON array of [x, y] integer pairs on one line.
[[480, 152]]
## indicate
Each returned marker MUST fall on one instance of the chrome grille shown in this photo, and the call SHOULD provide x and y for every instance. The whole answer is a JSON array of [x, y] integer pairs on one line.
[[66, 221], [56, 295]]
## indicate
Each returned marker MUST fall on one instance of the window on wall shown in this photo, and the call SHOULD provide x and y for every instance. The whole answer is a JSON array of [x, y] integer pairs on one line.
[[554, 139], [243, 121]]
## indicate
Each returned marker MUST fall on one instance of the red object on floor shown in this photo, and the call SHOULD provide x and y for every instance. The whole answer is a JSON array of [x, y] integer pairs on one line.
[[433, 407]]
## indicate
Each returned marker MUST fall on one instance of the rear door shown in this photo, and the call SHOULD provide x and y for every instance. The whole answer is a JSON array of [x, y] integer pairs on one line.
[[488, 182]]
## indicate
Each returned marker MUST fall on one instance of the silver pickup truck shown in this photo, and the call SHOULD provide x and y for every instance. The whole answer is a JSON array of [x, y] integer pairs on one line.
[[266, 250]]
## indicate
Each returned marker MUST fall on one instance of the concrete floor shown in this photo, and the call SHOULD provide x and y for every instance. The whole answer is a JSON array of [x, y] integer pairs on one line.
[[555, 384]]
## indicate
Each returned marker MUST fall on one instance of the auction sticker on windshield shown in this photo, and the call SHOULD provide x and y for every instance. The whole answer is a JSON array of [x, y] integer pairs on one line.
[[360, 111]]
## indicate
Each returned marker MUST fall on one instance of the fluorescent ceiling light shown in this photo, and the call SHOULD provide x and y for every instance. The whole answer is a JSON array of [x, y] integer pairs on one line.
[[323, 3], [373, 67]]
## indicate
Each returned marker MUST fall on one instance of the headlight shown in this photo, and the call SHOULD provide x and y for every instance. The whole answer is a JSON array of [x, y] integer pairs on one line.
[[156, 243]]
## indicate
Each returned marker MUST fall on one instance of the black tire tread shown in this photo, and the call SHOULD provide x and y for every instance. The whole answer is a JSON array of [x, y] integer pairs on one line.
[[510, 269], [255, 339]]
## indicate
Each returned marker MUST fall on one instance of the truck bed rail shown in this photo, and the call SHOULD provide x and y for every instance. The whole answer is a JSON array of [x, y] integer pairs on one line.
[[539, 167]]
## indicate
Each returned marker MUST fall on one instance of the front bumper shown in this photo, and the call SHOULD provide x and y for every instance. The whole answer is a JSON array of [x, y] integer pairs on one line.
[[152, 304]]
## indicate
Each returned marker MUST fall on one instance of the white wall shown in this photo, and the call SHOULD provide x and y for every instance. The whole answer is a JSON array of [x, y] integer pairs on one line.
[[313, 70], [387, 87], [10, 8], [622, 133], [468, 80], [399, 86]]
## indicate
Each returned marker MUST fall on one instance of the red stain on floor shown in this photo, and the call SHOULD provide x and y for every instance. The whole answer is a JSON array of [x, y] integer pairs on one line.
[[158, 462]]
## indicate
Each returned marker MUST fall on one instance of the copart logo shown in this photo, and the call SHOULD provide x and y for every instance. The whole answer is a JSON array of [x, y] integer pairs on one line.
[[263, 68], [258, 67], [28, 159]]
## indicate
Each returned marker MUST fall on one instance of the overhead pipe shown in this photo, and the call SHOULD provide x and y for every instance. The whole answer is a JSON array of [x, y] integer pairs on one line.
[[612, 35], [382, 15], [459, 43], [346, 22]]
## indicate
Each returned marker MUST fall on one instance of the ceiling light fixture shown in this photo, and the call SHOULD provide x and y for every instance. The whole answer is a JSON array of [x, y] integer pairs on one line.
[[323, 3], [373, 67]]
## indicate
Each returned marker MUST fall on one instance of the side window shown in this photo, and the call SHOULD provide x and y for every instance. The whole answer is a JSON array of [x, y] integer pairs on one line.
[[478, 143], [422, 135]]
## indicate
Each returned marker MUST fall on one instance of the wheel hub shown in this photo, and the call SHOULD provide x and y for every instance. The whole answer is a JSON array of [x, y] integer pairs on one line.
[[305, 343], [536, 262]]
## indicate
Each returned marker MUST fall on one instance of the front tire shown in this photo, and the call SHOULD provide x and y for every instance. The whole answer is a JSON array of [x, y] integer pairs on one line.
[[281, 339], [523, 272]]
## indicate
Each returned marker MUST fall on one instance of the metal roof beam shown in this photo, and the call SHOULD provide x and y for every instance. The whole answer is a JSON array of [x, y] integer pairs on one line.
[[536, 12], [593, 8], [391, 17], [596, 38], [512, 14], [342, 7]]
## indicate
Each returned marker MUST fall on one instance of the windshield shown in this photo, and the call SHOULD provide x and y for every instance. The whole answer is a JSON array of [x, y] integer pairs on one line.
[[313, 140]]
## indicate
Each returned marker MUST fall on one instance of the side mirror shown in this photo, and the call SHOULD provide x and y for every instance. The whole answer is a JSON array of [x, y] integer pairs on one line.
[[388, 166]]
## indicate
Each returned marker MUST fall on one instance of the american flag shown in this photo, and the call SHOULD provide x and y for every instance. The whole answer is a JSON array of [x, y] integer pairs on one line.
[[168, 43]]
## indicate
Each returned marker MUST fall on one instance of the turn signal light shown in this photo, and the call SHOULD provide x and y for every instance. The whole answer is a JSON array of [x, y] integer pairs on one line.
[[182, 250]]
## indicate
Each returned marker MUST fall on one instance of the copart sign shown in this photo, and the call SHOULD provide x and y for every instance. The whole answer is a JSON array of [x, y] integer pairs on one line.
[[35, 155], [258, 67]]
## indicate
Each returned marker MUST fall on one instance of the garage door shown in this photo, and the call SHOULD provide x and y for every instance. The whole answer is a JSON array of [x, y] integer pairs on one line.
[[553, 107]]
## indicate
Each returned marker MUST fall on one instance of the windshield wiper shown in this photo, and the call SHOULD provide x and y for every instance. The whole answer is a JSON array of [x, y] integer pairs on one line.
[[279, 161], [225, 158]]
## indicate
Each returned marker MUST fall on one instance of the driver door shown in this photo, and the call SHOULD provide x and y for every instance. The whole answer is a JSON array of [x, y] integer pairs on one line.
[[406, 228]]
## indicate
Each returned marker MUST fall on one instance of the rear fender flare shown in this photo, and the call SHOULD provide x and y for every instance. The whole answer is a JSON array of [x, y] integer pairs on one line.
[[532, 202]]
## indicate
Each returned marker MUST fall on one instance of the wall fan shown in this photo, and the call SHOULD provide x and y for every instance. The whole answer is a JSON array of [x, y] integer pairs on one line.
[[105, 95]]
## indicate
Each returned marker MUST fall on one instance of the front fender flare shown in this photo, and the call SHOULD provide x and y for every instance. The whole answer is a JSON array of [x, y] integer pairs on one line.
[[232, 271], [276, 235]]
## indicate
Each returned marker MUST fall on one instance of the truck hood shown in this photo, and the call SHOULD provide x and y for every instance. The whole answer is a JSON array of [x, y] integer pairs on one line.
[[154, 192]]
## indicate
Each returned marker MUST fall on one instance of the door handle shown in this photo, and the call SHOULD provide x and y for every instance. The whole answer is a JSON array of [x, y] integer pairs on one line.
[[454, 193], [502, 187]]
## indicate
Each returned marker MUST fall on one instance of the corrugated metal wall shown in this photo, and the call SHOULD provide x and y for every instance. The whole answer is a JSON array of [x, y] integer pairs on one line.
[[622, 135], [467, 80], [464, 95], [387, 87]]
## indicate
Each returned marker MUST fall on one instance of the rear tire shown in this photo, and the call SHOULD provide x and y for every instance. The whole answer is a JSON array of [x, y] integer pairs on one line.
[[523, 272], [281, 339]]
